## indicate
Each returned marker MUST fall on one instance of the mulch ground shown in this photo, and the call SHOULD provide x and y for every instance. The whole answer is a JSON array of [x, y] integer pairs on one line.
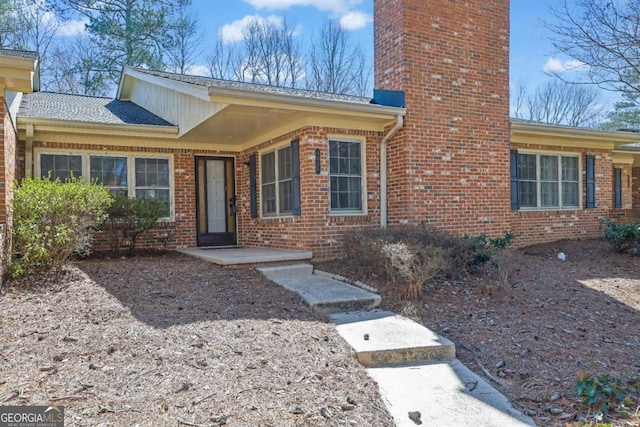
[[533, 328], [170, 340]]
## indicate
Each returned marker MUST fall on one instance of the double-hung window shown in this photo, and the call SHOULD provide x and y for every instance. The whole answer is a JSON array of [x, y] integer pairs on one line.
[[131, 175], [345, 176], [277, 189], [548, 181]]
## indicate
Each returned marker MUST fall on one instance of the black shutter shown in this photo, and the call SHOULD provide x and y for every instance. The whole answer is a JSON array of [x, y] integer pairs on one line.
[[253, 185], [618, 187], [515, 202], [295, 177], [591, 182]]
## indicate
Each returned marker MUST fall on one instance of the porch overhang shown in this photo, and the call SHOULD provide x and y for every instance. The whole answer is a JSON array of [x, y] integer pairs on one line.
[[234, 116], [241, 125]]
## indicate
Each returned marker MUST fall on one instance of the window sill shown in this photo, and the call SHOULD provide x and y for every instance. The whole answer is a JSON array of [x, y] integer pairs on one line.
[[575, 208], [347, 213]]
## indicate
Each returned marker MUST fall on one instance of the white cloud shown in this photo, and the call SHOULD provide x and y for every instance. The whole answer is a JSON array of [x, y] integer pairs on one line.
[[555, 65], [355, 20], [344, 10], [339, 7], [230, 33], [72, 28]]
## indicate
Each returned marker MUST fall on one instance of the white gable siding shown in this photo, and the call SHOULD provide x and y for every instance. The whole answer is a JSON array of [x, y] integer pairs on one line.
[[180, 109]]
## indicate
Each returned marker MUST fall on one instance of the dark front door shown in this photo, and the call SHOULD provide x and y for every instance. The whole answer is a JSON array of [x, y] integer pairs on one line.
[[215, 200]]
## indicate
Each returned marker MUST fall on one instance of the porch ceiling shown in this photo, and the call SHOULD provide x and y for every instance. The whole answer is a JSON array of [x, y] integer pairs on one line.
[[241, 126]]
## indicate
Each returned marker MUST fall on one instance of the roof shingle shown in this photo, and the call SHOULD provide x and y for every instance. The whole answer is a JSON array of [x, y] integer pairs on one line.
[[59, 106], [25, 54], [254, 87]]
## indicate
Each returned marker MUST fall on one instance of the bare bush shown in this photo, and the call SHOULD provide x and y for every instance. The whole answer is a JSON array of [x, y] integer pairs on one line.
[[416, 264]]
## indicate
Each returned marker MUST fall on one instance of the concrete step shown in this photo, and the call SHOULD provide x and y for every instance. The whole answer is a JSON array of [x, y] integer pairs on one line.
[[382, 338], [319, 292], [445, 394], [287, 271]]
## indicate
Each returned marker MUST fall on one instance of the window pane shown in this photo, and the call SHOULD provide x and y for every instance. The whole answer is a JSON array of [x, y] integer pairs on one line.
[[284, 164], [152, 172], [549, 194], [527, 194], [285, 195], [355, 201], [156, 194], [269, 199], [570, 169], [548, 168], [268, 167], [527, 166], [153, 194], [60, 166], [346, 193], [354, 166], [109, 171], [570, 194]]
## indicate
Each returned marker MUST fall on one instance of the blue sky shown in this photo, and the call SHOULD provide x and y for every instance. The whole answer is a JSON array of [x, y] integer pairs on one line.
[[531, 52]]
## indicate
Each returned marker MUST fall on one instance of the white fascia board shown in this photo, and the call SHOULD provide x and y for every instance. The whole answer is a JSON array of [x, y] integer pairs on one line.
[[200, 92], [295, 102], [78, 126]]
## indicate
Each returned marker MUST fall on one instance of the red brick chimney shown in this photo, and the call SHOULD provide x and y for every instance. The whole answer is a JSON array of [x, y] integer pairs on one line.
[[449, 165]]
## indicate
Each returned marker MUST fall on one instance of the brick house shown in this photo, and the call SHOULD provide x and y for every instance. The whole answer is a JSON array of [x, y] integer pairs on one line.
[[253, 165]]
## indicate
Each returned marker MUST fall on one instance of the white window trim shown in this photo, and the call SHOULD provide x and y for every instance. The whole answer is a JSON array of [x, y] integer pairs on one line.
[[363, 176], [272, 149], [131, 178], [558, 154]]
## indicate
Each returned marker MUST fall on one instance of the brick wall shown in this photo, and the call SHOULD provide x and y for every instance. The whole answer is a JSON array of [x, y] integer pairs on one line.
[[315, 229], [449, 165], [182, 229], [8, 140]]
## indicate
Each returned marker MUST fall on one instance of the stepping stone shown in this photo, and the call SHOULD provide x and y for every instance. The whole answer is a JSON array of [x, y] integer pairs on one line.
[[320, 292], [382, 338], [445, 394]]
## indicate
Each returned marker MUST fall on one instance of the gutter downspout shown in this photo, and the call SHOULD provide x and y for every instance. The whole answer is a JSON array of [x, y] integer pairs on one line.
[[383, 169]]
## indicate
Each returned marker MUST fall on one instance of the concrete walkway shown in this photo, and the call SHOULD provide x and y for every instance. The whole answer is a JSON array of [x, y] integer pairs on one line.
[[419, 378]]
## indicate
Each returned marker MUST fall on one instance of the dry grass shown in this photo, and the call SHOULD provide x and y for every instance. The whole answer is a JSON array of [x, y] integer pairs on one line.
[[170, 340]]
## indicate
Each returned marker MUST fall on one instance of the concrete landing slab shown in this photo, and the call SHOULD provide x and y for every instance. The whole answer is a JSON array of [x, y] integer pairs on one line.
[[322, 293], [446, 394], [384, 338], [246, 256]]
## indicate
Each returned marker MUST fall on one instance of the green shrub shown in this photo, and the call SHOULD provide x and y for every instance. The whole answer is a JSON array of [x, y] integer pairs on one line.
[[52, 220], [622, 237], [131, 217]]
